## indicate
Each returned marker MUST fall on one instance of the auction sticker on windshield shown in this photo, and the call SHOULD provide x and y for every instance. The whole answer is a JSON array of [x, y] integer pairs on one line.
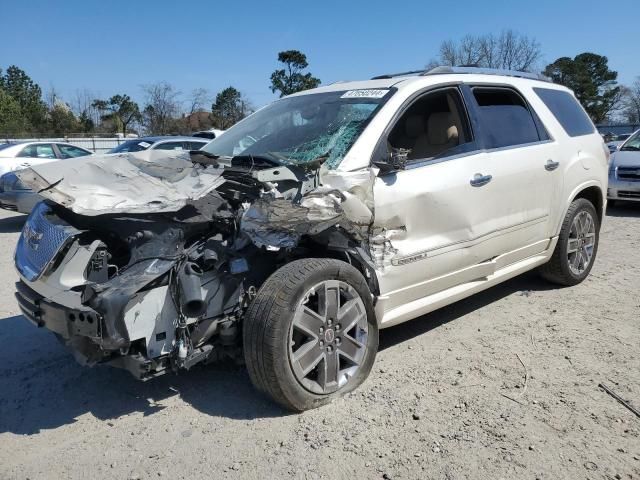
[[365, 93]]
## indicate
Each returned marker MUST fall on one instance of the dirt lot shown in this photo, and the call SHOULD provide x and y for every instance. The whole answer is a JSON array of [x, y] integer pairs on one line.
[[435, 405]]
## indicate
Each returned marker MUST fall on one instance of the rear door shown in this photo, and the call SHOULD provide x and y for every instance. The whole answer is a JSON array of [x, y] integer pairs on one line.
[[524, 160], [70, 151], [172, 145], [194, 145]]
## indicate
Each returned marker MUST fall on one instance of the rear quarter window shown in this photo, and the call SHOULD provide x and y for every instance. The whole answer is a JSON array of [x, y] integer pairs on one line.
[[567, 110]]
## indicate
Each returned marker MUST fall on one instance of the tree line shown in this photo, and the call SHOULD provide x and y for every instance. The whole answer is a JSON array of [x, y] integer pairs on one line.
[[24, 110], [587, 74]]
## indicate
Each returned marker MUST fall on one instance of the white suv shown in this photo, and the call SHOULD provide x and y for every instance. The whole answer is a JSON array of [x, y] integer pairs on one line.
[[294, 237]]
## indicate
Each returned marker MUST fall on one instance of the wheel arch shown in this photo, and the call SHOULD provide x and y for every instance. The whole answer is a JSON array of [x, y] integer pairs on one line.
[[591, 191], [595, 195], [343, 246]]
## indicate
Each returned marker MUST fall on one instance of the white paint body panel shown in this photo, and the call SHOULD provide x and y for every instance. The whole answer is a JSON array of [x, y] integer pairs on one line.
[[447, 239]]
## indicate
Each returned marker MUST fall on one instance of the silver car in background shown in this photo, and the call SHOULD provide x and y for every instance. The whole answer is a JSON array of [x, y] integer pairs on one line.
[[17, 156], [624, 171]]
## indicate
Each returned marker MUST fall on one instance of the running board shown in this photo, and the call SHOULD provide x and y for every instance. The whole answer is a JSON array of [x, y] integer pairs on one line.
[[443, 298]]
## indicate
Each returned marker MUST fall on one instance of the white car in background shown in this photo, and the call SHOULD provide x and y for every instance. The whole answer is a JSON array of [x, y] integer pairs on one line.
[[16, 156], [210, 134]]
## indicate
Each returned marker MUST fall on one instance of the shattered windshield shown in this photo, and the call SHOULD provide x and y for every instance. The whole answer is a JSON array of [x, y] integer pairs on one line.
[[298, 130]]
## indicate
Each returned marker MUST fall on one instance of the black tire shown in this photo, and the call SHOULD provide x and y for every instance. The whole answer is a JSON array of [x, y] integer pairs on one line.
[[557, 269], [268, 323]]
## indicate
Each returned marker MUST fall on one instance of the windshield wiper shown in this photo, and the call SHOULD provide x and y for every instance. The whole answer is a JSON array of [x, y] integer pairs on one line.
[[204, 158], [630, 148], [263, 160]]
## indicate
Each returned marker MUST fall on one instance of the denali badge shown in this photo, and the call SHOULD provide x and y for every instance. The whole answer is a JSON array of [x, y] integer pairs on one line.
[[31, 236]]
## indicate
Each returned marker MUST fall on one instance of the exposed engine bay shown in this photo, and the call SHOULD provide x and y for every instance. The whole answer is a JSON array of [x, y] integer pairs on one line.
[[148, 261]]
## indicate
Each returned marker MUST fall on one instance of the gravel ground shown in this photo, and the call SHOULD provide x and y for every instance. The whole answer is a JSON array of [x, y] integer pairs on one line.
[[501, 385]]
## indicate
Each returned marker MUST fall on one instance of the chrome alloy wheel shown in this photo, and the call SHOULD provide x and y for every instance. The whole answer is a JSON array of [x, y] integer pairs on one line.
[[582, 239], [328, 337]]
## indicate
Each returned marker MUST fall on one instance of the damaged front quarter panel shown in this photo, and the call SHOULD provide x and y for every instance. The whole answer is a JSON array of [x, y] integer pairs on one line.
[[343, 199]]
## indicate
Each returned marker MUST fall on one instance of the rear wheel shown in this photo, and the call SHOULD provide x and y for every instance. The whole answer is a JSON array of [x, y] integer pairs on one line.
[[310, 334], [577, 246]]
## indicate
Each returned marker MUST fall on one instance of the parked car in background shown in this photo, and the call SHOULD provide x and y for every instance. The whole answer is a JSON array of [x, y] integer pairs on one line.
[[160, 143], [617, 141], [15, 196], [210, 134], [624, 171], [16, 156]]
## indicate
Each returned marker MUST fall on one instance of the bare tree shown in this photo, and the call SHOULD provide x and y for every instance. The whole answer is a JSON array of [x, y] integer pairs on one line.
[[161, 107], [631, 102], [199, 100], [82, 106], [52, 97], [510, 50]]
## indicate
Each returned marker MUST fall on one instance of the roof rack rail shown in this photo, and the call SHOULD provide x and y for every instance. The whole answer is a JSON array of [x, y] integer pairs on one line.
[[401, 74], [443, 70], [486, 71]]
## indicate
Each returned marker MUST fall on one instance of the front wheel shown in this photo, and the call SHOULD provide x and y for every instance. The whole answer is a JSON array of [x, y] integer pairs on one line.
[[577, 245], [310, 335]]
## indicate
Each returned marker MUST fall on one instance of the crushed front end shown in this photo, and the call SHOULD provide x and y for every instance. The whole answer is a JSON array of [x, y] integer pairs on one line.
[[149, 263], [144, 292]]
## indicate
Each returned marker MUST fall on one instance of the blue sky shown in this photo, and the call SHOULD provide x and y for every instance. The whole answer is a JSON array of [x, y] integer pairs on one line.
[[116, 46]]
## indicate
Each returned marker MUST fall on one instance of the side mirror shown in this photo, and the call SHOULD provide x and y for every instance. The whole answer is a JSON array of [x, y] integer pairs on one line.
[[393, 159]]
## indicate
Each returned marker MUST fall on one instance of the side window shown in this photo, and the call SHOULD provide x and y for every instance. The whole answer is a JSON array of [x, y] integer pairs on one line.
[[39, 150], [435, 125], [505, 118], [196, 145], [69, 151], [169, 146], [567, 111]]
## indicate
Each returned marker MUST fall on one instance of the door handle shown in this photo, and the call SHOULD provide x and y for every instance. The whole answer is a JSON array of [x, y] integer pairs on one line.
[[551, 165], [479, 180]]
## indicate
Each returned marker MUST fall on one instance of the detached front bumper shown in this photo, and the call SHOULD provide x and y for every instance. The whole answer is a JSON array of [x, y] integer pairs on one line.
[[66, 322]]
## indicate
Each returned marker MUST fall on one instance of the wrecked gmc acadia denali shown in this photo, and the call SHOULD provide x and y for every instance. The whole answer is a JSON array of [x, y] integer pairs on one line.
[[292, 238]]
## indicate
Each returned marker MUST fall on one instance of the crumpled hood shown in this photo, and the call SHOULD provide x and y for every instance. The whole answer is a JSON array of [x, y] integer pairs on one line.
[[140, 182], [273, 215], [626, 159]]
